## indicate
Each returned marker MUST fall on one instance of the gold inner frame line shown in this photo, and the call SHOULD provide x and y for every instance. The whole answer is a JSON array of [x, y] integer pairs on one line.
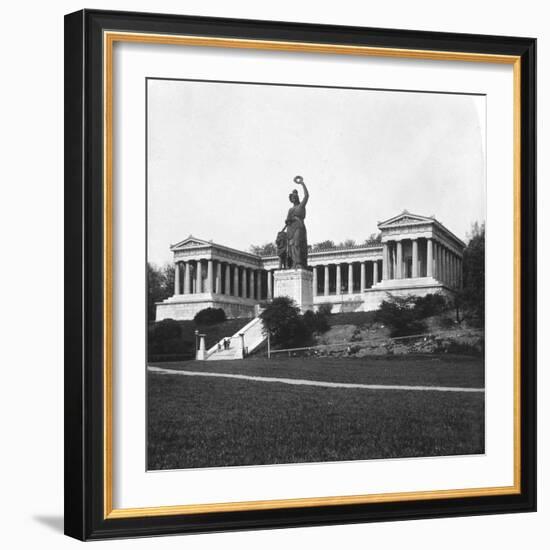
[[109, 39]]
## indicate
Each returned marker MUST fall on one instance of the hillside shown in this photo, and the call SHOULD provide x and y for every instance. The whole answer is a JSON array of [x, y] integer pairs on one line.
[[359, 334], [175, 340]]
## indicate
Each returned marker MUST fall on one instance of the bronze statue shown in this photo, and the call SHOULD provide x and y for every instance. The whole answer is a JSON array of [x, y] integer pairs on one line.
[[295, 228]]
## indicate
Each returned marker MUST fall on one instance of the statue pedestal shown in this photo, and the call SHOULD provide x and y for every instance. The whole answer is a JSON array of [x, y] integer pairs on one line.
[[296, 284]]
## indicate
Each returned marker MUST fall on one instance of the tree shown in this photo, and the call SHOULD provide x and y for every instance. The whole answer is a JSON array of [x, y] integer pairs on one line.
[[471, 298], [267, 249], [401, 315], [323, 245], [210, 316], [283, 324], [348, 243], [160, 285], [374, 238], [316, 321]]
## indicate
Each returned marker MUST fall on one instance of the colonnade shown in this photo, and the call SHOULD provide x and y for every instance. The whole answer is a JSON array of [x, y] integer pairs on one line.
[[345, 277], [429, 258], [447, 266], [401, 259], [214, 276]]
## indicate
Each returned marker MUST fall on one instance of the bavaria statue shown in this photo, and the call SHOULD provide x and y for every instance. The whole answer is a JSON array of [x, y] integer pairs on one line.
[[292, 239]]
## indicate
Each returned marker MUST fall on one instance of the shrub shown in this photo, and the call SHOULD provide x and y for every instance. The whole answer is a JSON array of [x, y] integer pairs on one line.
[[429, 305], [210, 316], [166, 330], [165, 342], [283, 323], [316, 322], [400, 315], [325, 309]]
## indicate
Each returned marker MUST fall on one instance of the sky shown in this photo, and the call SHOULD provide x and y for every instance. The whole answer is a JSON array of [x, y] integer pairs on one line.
[[222, 158]]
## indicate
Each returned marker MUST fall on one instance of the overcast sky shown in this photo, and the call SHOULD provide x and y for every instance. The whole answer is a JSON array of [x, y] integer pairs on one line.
[[221, 159]]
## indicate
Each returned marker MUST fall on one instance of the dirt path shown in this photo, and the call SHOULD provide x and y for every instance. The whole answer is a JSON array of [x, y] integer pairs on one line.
[[299, 382]]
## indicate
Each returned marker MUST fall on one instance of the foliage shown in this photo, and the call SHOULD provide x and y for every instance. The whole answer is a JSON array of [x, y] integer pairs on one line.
[[398, 312], [160, 285], [374, 238], [165, 339], [470, 300], [323, 245], [429, 305], [316, 321], [267, 249], [405, 314], [210, 316], [283, 323], [348, 243], [325, 309]]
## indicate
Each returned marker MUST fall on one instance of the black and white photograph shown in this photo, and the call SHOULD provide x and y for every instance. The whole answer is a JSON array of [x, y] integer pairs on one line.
[[315, 264]]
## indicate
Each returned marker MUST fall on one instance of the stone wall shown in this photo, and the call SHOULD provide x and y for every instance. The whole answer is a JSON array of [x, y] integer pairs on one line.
[[185, 307]]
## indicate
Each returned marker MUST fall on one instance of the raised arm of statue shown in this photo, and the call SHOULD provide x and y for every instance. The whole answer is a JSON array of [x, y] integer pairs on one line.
[[300, 181]]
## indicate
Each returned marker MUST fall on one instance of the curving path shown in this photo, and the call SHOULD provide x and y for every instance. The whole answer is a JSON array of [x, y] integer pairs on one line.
[[299, 382]]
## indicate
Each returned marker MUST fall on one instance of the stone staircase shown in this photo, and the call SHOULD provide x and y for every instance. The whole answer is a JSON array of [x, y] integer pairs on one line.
[[241, 344]]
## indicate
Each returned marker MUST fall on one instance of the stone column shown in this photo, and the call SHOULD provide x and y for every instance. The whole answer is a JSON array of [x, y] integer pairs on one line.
[[338, 279], [385, 262], [314, 281], [429, 258], [259, 285], [186, 278], [218, 288], [399, 261], [440, 262], [235, 280], [198, 288], [375, 272], [210, 276], [363, 277], [350, 278], [177, 279], [435, 270], [326, 281], [243, 283], [415, 258], [251, 285], [227, 286], [269, 285]]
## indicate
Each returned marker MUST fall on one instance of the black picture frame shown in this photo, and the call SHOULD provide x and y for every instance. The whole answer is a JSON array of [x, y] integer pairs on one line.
[[85, 517]]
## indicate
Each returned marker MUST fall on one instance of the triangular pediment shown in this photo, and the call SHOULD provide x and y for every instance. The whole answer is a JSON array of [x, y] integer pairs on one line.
[[405, 218], [190, 242]]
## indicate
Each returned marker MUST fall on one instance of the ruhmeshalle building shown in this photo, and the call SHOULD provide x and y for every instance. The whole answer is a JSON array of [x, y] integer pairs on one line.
[[416, 255]]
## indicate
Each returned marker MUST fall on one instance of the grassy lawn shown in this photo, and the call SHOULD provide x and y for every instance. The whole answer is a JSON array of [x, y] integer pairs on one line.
[[427, 371], [207, 422]]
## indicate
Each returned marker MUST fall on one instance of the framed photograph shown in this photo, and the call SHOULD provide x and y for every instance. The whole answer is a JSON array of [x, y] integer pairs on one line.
[[300, 274]]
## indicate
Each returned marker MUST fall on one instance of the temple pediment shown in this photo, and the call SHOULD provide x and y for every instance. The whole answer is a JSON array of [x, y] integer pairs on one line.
[[190, 242], [405, 218]]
